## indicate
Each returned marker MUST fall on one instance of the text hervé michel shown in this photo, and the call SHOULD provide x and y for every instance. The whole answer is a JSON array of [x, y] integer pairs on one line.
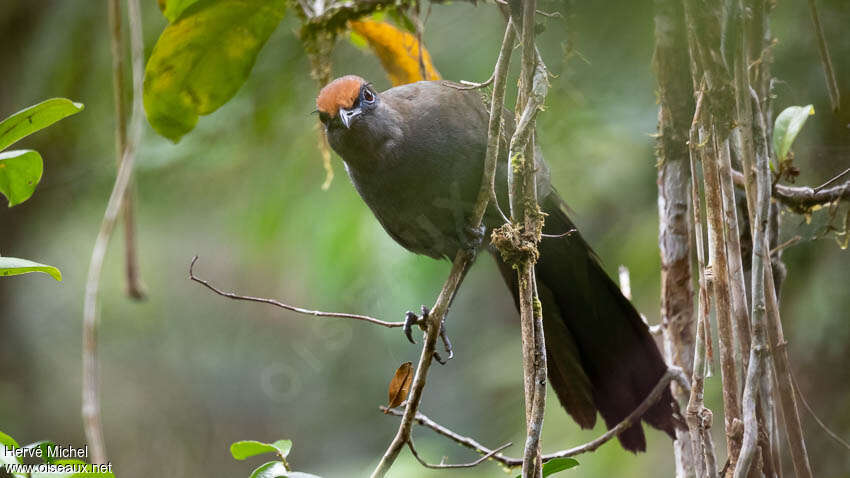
[[53, 452]]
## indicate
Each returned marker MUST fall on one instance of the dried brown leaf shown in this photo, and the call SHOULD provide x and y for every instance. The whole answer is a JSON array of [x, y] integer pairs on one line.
[[400, 384]]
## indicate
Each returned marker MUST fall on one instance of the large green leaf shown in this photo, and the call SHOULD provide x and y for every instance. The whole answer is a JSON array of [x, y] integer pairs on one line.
[[201, 60], [247, 448], [787, 126], [174, 8], [12, 266], [34, 118], [558, 464], [20, 172]]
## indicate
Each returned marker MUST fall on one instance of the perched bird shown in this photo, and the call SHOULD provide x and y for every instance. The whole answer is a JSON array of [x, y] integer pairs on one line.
[[415, 153]]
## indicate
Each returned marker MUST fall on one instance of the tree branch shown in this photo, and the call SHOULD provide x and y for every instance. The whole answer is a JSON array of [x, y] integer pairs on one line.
[[758, 351], [801, 199], [277, 303], [676, 109], [440, 466], [461, 263], [533, 86], [90, 389], [487, 191], [699, 417], [672, 374]]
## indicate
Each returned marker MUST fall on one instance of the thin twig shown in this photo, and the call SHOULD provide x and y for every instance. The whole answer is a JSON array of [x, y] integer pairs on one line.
[[277, 303], [802, 198], [439, 466], [558, 236], [487, 190], [758, 351], [539, 12], [420, 26], [823, 426], [834, 178], [826, 60], [785, 245], [465, 441], [470, 85], [672, 374], [117, 46], [719, 253], [697, 414], [777, 351], [90, 389]]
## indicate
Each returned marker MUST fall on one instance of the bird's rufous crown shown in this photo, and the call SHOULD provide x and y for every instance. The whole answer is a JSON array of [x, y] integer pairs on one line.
[[340, 93]]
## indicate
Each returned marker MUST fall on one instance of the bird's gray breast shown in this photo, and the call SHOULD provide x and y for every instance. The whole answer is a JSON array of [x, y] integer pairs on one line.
[[420, 183]]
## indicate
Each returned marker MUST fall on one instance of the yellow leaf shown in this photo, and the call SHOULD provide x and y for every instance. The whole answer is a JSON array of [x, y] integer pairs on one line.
[[398, 51], [400, 384]]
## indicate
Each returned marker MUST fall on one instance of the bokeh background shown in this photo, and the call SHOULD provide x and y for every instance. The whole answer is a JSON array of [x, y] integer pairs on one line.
[[186, 373]]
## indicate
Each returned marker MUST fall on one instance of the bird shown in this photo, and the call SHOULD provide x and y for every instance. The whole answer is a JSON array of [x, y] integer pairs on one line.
[[415, 153]]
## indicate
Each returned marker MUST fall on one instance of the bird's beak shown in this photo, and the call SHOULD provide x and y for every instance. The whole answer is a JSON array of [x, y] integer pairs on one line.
[[348, 115]]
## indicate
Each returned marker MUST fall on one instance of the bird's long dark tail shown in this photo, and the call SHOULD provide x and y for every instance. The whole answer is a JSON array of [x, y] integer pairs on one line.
[[601, 356]]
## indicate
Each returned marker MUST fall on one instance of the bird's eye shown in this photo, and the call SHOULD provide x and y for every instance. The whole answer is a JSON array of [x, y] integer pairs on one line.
[[368, 97]]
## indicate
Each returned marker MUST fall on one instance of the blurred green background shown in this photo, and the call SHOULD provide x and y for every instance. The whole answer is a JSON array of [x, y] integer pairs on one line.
[[186, 372]]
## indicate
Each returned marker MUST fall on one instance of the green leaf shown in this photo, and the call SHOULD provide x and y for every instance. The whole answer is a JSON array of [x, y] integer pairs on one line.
[[555, 465], [20, 172], [276, 469], [201, 60], [357, 40], [7, 441], [174, 8], [12, 266], [34, 118], [272, 469], [247, 448], [788, 124], [558, 464]]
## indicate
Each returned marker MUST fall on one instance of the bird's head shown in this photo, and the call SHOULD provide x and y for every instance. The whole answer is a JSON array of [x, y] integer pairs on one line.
[[344, 100]]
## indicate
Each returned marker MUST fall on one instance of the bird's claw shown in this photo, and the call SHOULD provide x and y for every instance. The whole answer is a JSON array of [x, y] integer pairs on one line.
[[447, 344], [411, 319]]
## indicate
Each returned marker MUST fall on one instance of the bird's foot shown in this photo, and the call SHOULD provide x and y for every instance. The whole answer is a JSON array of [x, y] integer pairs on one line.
[[473, 237], [411, 319]]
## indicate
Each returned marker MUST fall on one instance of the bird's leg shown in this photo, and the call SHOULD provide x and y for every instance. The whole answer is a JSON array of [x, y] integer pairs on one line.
[[472, 237]]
